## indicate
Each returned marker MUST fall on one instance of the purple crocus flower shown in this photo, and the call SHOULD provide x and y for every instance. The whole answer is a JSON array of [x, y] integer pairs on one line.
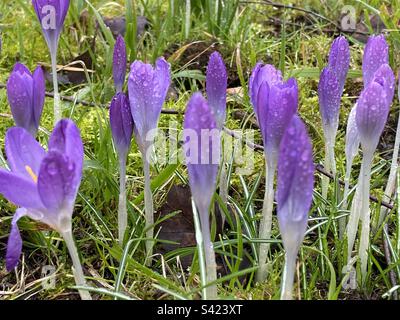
[[51, 15], [44, 184], [216, 85], [373, 107], [119, 63], [339, 60], [121, 123], [202, 161], [376, 53], [148, 89], [294, 195], [26, 95]]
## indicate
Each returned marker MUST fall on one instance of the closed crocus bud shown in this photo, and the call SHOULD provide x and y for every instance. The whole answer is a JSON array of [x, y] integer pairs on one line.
[[121, 123], [373, 108], [262, 73], [352, 136], [339, 60], [119, 63], [216, 85], [329, 101], [276, 114], [26, 95], [202, 150], [51, 15], [376, 53], [295, 184], [148, 89]]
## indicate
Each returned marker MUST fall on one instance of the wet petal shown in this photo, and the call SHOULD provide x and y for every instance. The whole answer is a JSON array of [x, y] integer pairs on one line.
[[121, 123], [352, 136], [376, 53], [24, 153], [119, 63], [216, 85], [339, 60], [14, 244], [39, 93]]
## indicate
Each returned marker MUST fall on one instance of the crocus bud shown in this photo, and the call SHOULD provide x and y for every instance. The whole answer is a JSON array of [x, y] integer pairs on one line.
[[352, 136], [216, 84], [373, 108], [295, 184], [376, 53], [339, 60], [262, 73], [276, 113], [26, 95], [51, 15], [119, 63], [202, 147], [148, 89], [329, 101], [121, 123]]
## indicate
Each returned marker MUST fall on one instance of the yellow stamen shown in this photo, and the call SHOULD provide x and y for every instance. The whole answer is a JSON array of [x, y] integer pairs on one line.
[[31, 173]]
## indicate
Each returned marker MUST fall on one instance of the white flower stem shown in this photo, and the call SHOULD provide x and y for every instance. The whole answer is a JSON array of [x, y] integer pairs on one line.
[[57, 105], [77, 267], [209, 254], [149, 210], [266, 221], [288, 276], [342, 221], [365, 214], [122, 210], [391, 184], [354, 218]]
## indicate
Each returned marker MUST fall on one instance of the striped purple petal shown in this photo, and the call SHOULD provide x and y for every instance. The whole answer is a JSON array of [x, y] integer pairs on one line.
[[376, 53]]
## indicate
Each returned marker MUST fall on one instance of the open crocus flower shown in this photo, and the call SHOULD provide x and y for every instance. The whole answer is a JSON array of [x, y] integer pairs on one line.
[[376, 53], [26, 95], [43, 184], [294, 195], [119, 63], [216, 84]]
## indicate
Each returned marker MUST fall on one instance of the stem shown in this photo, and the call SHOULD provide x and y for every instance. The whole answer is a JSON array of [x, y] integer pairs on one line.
[[266, 221], [223, 188], [149, 210], [209, 254], [77, 269], [391, 184], [122, 209], [288, 276], [365, 214], [57, 106], [342, 221]]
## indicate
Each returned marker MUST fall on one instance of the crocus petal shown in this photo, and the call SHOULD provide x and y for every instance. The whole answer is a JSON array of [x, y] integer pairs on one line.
[[58, 182], [14, 244], [267, 73], [282, 105], [66, 139], [216, 85], [339, 60], [385, 77], [352, 136], [261, 109], [24, 153], [39, 93], [371, 115], [329, 99], [201, 149], [376, 53], [51, 15], [295, 183], [19, 190], [119, 63], [20, 96], [148, 88], [121, 123]]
